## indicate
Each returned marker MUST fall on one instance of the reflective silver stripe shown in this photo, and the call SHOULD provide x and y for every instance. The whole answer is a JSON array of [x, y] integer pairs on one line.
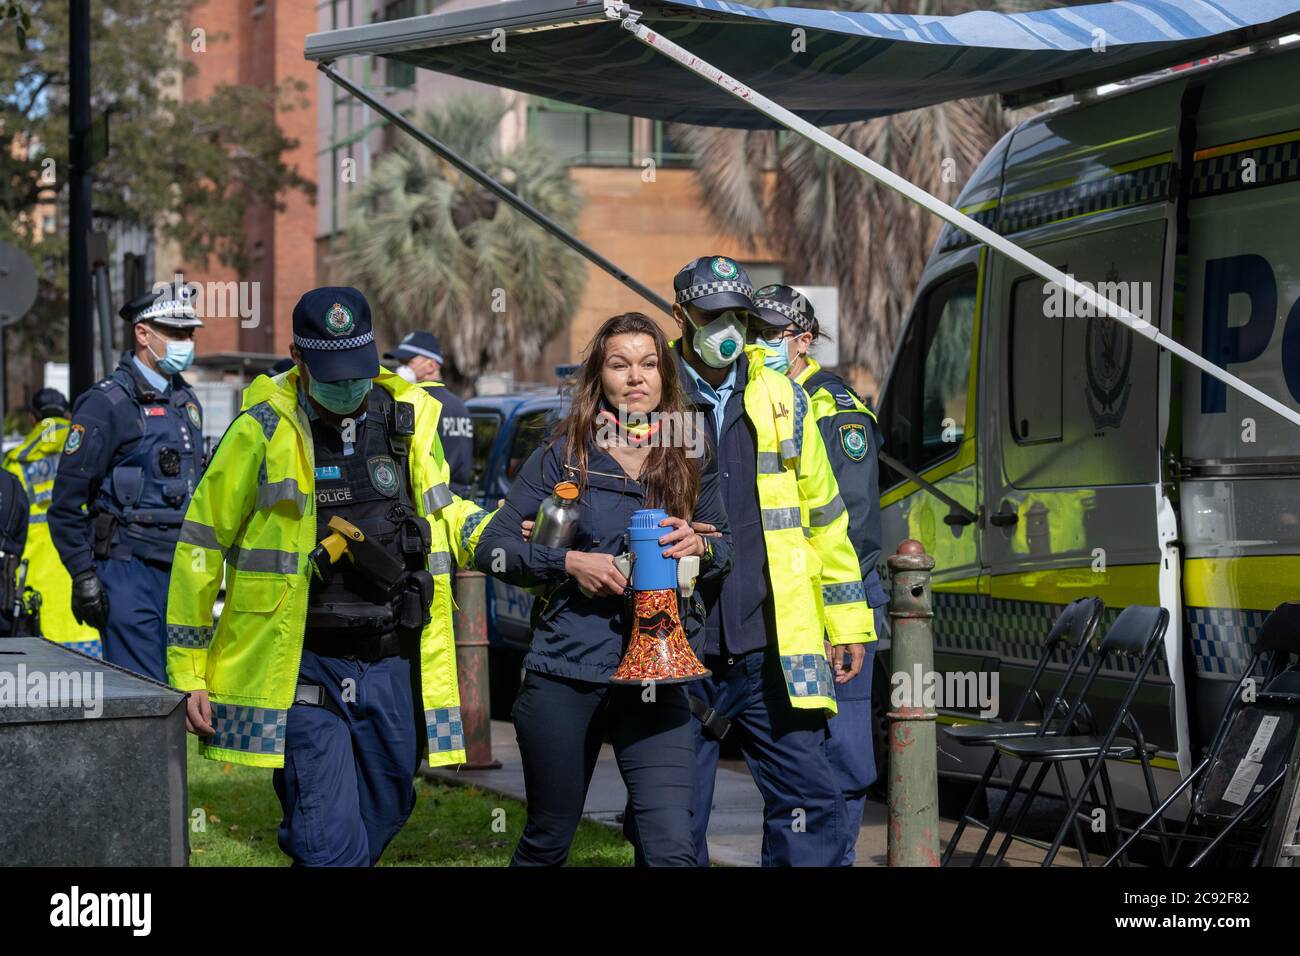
[[788, 448], [440, 562], [820, 517], [774, 519], [265, 559], [769, 463], [439, 496], [38, 519], [194, 532], [284, 490]]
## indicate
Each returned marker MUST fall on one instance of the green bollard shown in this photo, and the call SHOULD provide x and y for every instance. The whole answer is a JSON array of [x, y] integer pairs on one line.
[[913, 759]]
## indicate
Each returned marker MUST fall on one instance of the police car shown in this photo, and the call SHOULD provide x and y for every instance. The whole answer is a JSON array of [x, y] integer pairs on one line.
[[507, 428], [1085, 461]]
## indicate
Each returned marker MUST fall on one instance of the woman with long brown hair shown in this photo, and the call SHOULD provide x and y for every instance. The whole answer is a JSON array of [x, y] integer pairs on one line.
[[626, 443]]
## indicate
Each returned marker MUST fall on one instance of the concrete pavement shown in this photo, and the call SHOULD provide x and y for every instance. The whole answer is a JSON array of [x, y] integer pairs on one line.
[[736, 824]]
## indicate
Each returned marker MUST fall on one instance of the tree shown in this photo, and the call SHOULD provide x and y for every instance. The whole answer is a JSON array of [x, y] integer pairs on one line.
[[437, 251], [828, 222], [190, 169]]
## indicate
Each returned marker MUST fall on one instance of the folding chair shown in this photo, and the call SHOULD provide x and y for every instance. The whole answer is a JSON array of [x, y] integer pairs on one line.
[[1073, 629], [1248, 756], [1136, 634]]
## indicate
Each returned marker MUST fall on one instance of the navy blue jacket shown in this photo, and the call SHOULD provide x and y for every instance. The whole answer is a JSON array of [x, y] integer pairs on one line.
[[456, 429], [135, 454], [738, 612], [574, 635]]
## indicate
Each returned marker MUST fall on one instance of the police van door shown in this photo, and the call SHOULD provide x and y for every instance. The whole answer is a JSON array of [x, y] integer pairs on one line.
[[927, 422], [1072, 454]]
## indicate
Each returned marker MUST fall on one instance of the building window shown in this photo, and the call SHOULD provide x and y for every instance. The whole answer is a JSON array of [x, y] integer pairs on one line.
[[580, 136], [397, 74]]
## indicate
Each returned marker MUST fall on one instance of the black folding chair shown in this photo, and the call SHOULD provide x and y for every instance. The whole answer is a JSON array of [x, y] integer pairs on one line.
[[1247, 759], [1136, 634], [1073, 629]]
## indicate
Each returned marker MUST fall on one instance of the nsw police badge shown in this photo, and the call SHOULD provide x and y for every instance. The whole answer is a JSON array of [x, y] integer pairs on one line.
[[338, 320], [383, 475], [195, 418], [853, 439], [75, 435], [723, 268]]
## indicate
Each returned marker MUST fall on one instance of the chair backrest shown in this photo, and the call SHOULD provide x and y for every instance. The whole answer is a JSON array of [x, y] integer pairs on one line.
[[1281, 630], [1076, 624], [1135, 631]]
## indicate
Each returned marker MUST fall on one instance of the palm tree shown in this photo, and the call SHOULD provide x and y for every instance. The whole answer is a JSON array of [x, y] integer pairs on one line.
[[827, 222], [434, 250]]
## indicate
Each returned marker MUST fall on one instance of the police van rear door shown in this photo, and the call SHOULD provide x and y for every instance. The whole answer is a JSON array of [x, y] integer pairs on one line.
[[1072, 431], [1241, 463]]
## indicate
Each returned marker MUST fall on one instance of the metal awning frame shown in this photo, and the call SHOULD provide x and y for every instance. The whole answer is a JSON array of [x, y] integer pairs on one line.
[[469, 24]]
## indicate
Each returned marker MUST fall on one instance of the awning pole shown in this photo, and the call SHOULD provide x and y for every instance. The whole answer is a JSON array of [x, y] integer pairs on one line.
[[629, 19], [472, 171]]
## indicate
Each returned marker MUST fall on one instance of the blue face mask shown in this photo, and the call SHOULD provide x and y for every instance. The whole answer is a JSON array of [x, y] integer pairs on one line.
[[177, 358], [778, 357], [340, 397]]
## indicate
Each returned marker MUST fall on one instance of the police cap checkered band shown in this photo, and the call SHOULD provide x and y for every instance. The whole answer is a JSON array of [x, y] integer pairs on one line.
[[333, 345], [168, 308], [691, 293], [800, 317]]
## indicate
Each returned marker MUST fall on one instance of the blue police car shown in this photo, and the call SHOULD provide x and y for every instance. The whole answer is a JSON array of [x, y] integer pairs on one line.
[[507, 428]]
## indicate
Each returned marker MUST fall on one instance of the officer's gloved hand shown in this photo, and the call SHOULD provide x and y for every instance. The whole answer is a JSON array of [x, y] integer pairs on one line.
[[89, 600]]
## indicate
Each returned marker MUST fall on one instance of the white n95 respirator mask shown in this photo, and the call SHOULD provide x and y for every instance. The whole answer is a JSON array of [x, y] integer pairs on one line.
[[720, 342]]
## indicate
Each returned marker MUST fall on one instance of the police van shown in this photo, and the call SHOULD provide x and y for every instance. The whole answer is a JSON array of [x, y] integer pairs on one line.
[[1085, 461]]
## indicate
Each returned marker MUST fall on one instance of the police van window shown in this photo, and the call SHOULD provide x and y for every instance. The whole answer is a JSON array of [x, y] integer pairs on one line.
[[923, 411], [486, 427], [1037, 342], [530, 430]]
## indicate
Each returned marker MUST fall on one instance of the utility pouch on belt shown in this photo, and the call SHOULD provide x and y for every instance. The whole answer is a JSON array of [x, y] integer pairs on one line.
[[104, 526], [415, 599]]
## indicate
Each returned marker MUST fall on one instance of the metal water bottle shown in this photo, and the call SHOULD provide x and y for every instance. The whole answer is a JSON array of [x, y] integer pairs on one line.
[[557, 517]]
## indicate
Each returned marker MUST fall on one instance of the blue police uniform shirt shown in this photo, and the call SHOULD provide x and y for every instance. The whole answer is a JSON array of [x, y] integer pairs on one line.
[[737, 607], [717, 398], [133, 451], [456, 430], [156, 379]]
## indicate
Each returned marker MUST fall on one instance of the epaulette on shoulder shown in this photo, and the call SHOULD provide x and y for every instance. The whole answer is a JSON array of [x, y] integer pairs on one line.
[[264, 415], [113, 390]]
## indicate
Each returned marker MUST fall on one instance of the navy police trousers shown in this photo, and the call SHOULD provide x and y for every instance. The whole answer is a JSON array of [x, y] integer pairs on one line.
[[135, 636], [348, 783], [803, 811], [561, 722]]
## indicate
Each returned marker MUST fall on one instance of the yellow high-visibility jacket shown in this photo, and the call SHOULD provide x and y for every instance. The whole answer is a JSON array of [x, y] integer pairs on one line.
[[816, 583], [35, 463], [254, 513]]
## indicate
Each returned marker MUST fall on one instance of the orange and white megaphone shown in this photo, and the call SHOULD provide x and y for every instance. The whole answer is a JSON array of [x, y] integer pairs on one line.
[[658, 651]]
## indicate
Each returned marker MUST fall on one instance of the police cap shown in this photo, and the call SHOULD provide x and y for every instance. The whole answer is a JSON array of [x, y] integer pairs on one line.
[[714, 284], [331, 327], [416, 344], [49, 403], [780, 305], [169, 304]]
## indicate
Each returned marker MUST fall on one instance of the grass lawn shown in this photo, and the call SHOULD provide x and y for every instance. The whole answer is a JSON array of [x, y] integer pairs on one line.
[[451, 826]]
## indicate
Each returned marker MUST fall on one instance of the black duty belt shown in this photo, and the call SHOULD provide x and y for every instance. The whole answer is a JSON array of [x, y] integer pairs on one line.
[[369, 647]]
